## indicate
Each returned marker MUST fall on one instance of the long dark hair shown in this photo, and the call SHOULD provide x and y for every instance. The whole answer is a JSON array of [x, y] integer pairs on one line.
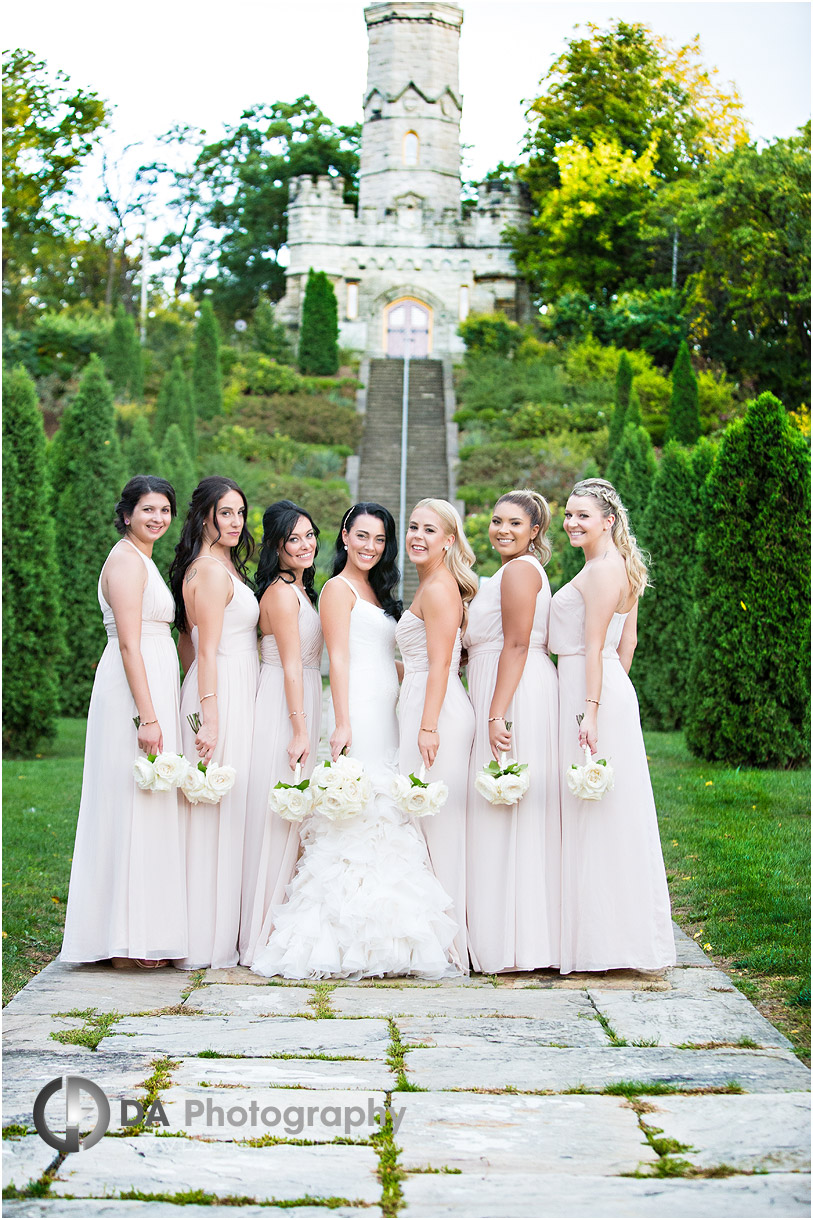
[[385, 575], [141, 485], [206, 496], [279, 522]]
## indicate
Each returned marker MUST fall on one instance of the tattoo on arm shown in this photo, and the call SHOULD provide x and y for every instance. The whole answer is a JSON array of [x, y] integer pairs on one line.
[[190, 575]]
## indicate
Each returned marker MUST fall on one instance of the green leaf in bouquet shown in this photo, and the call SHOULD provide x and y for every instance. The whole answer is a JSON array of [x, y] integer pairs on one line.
[[137, 721], [493, 767], [300, 786], [417, 783]]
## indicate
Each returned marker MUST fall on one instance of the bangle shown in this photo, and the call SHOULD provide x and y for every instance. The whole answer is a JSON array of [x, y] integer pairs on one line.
[[491, 719], [212, 695], [593, 701], [144, 723], [423, 730], [295, 714]]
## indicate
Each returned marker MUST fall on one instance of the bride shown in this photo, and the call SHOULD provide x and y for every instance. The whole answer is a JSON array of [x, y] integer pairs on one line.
[[364, 901]]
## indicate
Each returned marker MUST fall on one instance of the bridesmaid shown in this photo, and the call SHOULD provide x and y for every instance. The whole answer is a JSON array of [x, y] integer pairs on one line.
[[287, 712], [615, 902], [127, 897], [436, 718], [513, 854], [216, 615]]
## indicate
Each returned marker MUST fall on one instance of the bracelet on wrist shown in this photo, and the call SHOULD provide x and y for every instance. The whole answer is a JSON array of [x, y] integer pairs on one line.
[[492, 719], [593, 701], [212, 695], [144, 723], [290, 714], [424, 730]]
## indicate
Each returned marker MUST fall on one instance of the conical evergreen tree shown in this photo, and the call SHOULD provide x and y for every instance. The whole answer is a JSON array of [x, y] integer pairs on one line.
[[268, 336], [122, 358], [621, 401], [631, 470], [749, 690], [90, 469], [175, 406], [319, 332], [207, 378], [31, 584], [140, 453], [666, 614], [175, 464], [684, 411], [633, 415]]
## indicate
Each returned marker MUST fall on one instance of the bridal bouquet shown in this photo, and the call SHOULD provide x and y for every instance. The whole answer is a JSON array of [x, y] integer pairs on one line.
[[159, 772], [415, 797], [293, 802], [590, 781], [340, 789], [202, 784], [504, 782]]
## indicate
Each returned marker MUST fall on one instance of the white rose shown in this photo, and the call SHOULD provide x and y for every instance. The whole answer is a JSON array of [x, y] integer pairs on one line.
[[332, 805], [220, 780], [350, 790], [290, 803], [170, 769], [418, 802], [512, 788], [400, 788], [193, 785], [485, 785], [438, 795], [144, 774]]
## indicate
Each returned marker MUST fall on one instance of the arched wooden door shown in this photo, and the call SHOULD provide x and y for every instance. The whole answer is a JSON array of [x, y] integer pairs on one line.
[[408, 322]]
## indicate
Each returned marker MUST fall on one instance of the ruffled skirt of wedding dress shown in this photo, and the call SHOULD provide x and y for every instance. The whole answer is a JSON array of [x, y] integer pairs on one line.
[[364, 903]]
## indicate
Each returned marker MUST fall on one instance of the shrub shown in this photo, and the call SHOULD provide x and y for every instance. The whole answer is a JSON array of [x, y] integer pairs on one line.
[[122, 357], [207, 378], [269, 337], [319, 330], [550, 465], [493, 333], [621, 399], [57, 343], [310, 418], [749, 684], [631, 470], [175, 406], [176, 464], [684, 415], [140, 453], [32, 636], [666, 614], [537, 419], [89, 475]]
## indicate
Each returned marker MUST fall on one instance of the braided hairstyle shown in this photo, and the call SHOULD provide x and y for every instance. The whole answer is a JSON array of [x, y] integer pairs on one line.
[[610, 505]]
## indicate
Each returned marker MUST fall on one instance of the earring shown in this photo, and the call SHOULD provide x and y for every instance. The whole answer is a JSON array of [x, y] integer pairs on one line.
[[126, 520], [345, 546], [445, 548], [531, 545]]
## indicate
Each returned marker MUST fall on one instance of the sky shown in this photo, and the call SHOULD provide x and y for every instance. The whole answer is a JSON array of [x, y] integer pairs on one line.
[[202, 63]]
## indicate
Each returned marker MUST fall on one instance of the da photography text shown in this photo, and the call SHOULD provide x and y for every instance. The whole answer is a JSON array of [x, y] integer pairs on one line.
[[291, 1120]]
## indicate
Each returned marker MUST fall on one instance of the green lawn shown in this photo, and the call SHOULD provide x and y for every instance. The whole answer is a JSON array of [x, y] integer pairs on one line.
[[736, 845]]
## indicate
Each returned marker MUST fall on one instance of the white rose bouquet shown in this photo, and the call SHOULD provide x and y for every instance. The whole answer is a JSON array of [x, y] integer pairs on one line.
[[590, 781], [293, 802], [205, 785], [340, 790], [504, 782], [158, 772], [415, 797]]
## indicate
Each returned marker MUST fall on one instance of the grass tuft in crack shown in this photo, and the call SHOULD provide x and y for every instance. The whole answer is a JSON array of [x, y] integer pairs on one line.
[[97, 1026], [395, 1059], [390, 1173], [320, 1001]]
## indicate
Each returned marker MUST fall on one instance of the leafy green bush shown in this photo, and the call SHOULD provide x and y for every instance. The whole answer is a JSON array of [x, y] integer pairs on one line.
[[631, 470], [207, 375], [313, 419], [492, 332], [274, 449], [59, 343], [684, 414], [538, 419], [550, 465], [749, 700]]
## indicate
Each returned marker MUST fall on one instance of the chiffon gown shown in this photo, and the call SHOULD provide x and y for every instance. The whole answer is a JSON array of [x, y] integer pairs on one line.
[[615, 902], [215, 833], [364, 901], [272, 844], [513, 853], [127, 895], [445, 832]]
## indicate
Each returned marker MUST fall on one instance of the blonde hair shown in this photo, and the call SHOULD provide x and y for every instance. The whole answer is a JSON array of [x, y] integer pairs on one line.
[[460, 557], [621, 534], [536, 507]]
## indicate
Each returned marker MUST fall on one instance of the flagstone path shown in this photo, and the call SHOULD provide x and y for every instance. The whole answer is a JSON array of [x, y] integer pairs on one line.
[[520, 1095]]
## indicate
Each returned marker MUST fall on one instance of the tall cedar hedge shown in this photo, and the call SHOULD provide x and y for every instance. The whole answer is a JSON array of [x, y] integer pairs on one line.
[[684, 409], [174, 463], [319, 332], [207, 377], [175, 406], [90, 479], [122, 358], [631, 470], [666, 614], [140, 453], [621, 400], [749, 697], [32, 625]]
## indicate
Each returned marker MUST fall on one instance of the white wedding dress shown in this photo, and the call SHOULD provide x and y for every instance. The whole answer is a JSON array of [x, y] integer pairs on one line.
[[364, 901]]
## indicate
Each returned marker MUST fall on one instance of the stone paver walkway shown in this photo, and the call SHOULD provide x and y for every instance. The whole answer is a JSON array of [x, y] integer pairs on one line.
[[520, 1095]]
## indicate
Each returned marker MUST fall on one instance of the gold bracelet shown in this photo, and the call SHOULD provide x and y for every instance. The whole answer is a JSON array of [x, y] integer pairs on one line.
[[296, 714], [144, 723], [593, 701], [212, 695], [423, 730], [492, 719]]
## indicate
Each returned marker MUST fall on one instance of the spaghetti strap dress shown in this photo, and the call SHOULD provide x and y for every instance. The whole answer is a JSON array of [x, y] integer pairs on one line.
[[215, 833], [127, 895]]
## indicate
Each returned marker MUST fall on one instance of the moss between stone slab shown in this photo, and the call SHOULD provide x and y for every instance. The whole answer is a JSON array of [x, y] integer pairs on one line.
[[97, 1026], [195, 980], [200, 1197], [395, 1059], [40, 1188], [433, 1169], [209, 1054], [741, 1044], [607, 1027], [269, 1141], [320, 1001], [390, 1174], [16, 1131]]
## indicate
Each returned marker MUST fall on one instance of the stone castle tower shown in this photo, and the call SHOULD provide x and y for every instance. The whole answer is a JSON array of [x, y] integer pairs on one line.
[[412, 263]]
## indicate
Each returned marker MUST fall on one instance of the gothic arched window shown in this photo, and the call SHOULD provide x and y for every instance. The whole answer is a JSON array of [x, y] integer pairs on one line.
[[411, 148]]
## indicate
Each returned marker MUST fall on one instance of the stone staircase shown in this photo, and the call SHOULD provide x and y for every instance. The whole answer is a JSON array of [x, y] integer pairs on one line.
[[427, 464]]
